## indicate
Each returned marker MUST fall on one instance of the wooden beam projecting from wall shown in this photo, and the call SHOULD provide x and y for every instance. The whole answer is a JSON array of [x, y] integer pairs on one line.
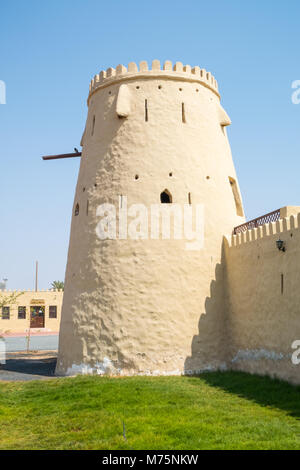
[[63, 155]]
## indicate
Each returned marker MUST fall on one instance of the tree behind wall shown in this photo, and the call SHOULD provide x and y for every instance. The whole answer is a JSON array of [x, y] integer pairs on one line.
[[58, 285]]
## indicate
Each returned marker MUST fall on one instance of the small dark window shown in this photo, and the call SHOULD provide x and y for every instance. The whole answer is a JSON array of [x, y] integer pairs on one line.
[[282, 284], [5, 313], [146, 110], [165, 197], [21, 313], [53, 311], [77, 209]]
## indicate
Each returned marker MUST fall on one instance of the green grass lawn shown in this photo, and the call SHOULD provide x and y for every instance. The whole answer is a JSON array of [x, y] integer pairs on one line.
[[227, 410]]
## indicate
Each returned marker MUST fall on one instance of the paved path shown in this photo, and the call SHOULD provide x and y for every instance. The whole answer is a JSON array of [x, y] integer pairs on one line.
[[37, 343], [32, 366], [20, 365]]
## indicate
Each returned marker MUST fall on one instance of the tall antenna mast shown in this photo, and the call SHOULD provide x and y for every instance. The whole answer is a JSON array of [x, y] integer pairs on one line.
[[36, 275]]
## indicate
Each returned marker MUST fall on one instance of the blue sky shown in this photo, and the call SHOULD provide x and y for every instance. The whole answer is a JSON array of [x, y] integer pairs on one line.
[[49, 51]]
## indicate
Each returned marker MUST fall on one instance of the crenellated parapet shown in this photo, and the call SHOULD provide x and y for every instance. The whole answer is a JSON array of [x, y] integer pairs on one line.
[[178, 71], [280, 227]]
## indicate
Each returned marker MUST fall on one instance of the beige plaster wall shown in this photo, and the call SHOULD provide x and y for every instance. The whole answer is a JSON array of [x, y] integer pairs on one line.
[[27, 299], [149, 306], [263, 298]]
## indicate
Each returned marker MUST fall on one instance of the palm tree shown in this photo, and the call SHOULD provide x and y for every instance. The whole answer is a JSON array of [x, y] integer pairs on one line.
[[58, 285]]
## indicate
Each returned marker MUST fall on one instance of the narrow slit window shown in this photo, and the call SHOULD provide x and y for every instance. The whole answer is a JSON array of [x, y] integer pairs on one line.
[[190, 198], [236, 196], [146, 110], [76, 209], [93, 125], [282, 283], [87, 207], [183, 113], [166, 197], [52, 311]]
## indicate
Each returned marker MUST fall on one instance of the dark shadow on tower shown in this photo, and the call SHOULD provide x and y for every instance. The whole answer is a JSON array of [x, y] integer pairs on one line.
[[211, 346]]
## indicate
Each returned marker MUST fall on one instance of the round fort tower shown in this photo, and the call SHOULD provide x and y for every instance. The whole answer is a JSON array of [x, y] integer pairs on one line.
[[149, 305]]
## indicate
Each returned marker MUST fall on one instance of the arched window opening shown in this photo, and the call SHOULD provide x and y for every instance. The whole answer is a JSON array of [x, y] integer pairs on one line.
[[166, 197], [77, 209]]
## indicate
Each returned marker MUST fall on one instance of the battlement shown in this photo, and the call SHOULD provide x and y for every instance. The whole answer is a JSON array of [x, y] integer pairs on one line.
[[176, 72], [279, 227], [10, 291]]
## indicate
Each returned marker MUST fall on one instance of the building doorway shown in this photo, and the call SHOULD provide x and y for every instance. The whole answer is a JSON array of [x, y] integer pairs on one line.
[[37, 317]]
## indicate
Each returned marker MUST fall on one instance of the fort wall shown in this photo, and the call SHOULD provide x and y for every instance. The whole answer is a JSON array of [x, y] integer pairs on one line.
[[263, 298]]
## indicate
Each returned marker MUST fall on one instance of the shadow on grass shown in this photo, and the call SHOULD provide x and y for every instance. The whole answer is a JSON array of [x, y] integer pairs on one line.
[[259, 389]]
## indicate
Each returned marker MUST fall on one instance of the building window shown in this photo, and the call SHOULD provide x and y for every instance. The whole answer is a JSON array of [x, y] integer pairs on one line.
[[5, 313], [53, 311], [77, 209], [21, 313]]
